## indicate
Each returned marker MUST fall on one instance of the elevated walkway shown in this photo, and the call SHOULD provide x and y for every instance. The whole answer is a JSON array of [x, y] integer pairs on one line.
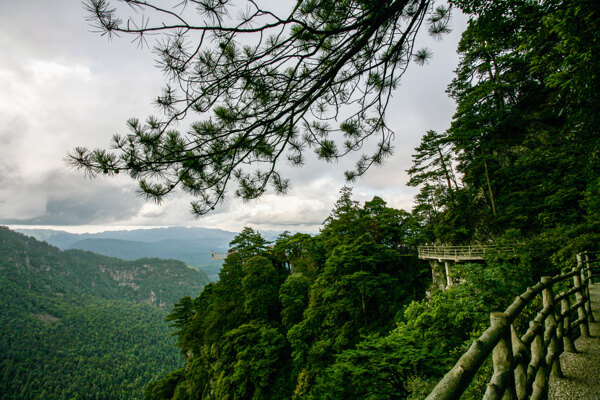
[[460, 253], [218, 256], [436, 255]]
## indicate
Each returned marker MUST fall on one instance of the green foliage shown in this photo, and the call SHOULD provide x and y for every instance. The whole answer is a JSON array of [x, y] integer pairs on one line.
[[164, 388], [293, 295], [380, 368], [248, 243], [253, 364], [279, 317], [260, 289]]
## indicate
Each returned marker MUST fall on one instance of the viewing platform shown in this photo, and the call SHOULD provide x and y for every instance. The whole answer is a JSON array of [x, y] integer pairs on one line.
[[218, 256], [460, 253]]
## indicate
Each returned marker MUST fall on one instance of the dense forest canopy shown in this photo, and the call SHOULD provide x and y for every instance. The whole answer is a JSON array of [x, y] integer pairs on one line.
[[339, 315]]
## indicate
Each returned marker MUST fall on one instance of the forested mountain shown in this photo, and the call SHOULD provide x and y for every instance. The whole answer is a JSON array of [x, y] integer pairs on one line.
[[75, 324], [65, 240]]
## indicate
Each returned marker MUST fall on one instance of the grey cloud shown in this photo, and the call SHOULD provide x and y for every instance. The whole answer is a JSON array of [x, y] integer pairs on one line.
[[70, 199], [12, 127], [301, 217]]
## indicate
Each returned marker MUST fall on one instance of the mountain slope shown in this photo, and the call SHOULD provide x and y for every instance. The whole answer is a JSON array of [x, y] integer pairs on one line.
[[43, 267], [75, 324]]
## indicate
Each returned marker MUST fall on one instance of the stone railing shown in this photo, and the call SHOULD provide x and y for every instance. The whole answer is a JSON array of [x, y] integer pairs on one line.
[[524, 363]]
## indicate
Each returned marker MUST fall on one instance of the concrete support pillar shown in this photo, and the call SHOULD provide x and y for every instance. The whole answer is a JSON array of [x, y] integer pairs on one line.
[[448, 278], [438, 275]]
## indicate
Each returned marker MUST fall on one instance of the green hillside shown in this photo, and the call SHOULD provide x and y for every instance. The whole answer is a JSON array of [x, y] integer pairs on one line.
[[77, 325]]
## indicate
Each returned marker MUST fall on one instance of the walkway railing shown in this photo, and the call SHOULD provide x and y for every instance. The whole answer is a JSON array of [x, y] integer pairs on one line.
[[218, 256], [523, 363], [460, 253]]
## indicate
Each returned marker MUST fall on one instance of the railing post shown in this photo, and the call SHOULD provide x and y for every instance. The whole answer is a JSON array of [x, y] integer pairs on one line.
[[588, 266], [537, 367], [554, 349], [502, 358], [580, 296], [566, 324], [587, 274], [522, 358]]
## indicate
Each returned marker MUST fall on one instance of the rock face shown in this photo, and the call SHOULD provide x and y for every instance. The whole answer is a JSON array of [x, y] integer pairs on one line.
[[438, 274]]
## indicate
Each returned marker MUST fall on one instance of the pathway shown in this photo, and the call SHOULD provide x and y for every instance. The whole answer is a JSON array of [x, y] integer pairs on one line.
[[582, 369]]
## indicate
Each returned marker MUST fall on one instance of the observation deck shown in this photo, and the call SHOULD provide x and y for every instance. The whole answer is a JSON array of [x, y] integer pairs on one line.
[[218, 256], [460, 253]]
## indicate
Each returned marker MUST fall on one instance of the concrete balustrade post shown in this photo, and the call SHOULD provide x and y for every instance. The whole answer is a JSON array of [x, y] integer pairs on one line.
[[537, 367], [501, 385], [566, 323], [555, 347], [579, 295], [521, 355], [587, 274], [588, 266]]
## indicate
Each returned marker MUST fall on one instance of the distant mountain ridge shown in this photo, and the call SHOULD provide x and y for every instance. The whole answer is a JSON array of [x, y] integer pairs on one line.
[[66, 240]]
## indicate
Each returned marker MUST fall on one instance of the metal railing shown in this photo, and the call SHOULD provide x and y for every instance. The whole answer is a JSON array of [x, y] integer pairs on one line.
[[524, 363], [475, 252], [218, 256]]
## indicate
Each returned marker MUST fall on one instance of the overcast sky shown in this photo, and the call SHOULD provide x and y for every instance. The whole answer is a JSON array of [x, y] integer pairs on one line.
[[61, 86]]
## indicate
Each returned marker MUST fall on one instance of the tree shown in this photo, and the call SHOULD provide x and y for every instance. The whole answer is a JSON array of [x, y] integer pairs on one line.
[[253, 364], [298, 253], [264, 103], [432, 162], [261, 290], [524, 136], [379, 368], [293, 295], [247, 244]]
